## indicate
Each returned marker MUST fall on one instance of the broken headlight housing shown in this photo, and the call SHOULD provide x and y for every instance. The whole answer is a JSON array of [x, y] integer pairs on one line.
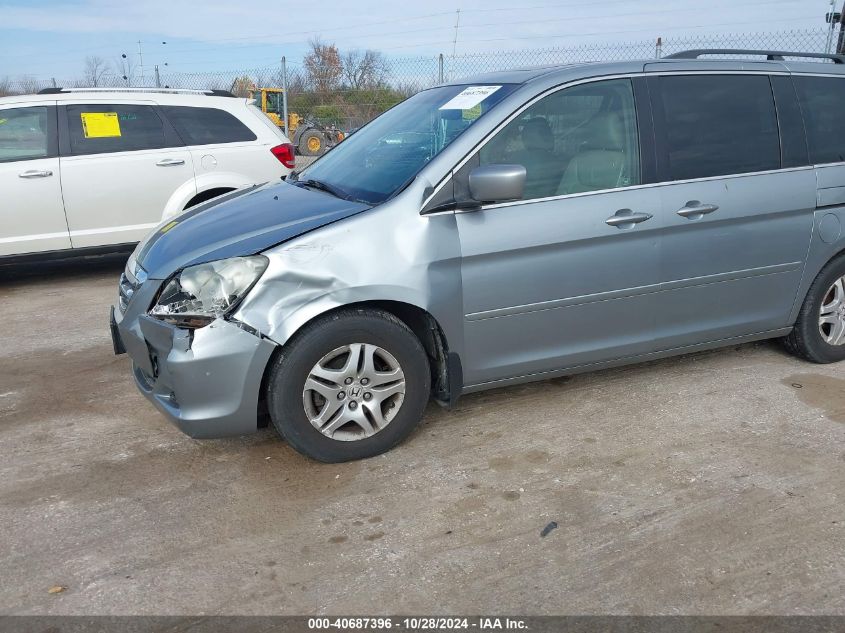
[[199, 294]]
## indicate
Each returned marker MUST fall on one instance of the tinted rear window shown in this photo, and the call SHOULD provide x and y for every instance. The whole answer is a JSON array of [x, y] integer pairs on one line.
[[206, 126], [719, 124], [822, 102]]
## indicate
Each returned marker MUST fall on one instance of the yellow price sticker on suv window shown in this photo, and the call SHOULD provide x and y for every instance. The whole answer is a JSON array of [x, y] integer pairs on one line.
[[100, 124]]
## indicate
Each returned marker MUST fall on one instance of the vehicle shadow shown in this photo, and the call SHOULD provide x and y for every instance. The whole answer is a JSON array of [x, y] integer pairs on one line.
[[60, 269]]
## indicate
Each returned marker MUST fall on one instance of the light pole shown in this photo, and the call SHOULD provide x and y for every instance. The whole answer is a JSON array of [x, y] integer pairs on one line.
[[833, 18], [158, 77], [126, 69]]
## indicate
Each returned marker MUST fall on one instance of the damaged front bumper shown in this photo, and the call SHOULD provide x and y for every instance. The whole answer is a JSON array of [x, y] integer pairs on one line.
[[207, 381]]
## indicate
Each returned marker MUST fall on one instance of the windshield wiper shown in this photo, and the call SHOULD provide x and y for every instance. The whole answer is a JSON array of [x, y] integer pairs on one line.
[[322, 186]]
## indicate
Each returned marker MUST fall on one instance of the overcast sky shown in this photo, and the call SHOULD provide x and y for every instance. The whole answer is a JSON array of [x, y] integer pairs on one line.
[[48, 38]]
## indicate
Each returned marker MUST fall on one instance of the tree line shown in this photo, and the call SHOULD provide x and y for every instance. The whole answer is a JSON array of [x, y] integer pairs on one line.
[[345, 88], [342, 88]]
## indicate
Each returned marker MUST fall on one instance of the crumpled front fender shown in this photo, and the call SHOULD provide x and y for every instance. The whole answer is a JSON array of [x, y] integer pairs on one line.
[[387, 254]]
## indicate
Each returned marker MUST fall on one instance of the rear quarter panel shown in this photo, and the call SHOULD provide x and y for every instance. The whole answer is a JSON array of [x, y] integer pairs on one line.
[[235, 165], [828, 239]]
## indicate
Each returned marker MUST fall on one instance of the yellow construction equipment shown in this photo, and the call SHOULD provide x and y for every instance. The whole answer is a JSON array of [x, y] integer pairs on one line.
[[308, 137]]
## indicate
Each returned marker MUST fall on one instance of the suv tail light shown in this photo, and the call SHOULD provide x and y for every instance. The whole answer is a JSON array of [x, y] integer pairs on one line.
[[284, 153]]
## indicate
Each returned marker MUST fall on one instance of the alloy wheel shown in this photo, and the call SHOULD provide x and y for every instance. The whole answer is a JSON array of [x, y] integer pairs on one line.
[[354, 391], [832, 314]]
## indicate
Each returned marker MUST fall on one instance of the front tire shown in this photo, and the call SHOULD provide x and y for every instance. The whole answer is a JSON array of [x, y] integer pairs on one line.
[[351, 385], [819, 332]]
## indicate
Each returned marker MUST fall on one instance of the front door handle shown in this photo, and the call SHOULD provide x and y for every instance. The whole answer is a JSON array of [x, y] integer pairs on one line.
[[170, 162], [626, 219], [35, 173], [695, 210]]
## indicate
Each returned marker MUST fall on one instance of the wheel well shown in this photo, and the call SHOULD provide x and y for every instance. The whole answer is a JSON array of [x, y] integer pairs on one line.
[[208, 194], [840, 253], [446, 370], [802, 297], [446, 373]]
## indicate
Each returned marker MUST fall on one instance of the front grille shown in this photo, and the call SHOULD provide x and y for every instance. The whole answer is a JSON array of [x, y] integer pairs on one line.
[[126, 289], [133, 276]]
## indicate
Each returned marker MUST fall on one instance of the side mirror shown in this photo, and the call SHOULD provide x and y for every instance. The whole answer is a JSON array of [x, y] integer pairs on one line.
[[497, 183]]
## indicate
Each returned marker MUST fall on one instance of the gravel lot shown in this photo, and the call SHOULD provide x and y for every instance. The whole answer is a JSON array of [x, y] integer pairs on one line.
[[712, 483], [303, 161]]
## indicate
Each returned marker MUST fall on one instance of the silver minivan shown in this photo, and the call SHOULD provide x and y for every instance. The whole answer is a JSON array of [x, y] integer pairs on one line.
[[510, 227]]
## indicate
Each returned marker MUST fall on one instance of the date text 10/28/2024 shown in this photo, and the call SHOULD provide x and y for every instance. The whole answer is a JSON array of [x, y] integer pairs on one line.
[[418, 624]]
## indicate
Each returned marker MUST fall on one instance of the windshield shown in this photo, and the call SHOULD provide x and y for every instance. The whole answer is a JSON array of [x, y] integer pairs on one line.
[[375, 162]]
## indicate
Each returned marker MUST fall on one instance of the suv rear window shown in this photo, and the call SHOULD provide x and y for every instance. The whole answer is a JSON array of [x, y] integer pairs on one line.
[[717, 125], [105, 128], [207, 126], [822, 99]]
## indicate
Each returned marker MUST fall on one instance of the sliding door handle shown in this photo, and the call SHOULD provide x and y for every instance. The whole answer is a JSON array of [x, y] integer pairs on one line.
[[626, 219], [695, 210], [170, 162]]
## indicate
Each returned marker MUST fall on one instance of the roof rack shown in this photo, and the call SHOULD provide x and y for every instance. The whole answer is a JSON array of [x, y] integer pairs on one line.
[[212, 93], [770, 55]]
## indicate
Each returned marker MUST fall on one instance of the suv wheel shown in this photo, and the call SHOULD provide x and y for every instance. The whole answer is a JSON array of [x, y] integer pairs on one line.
[[349, 386], [819, 333]]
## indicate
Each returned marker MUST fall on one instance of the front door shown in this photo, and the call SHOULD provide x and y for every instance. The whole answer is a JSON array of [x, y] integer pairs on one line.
[[564, 277], [32, 217], [120, 166]]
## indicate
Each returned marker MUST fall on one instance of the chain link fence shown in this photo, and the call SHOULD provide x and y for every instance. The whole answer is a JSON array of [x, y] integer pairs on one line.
[[356, 90]]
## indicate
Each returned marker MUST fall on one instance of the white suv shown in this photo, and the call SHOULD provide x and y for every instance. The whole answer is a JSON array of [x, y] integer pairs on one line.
[[93, 168]]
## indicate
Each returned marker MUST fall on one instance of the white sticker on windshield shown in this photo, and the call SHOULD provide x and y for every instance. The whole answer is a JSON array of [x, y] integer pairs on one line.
[[469, 97]]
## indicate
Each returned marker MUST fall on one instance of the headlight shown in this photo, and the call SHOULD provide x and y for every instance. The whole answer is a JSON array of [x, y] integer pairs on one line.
[[199, 294]]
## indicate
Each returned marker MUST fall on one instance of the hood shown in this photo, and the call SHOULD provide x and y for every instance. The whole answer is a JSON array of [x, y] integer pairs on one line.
[[244, 223]]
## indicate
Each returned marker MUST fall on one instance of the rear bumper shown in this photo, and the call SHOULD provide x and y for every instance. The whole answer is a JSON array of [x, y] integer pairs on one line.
[[206, 381]]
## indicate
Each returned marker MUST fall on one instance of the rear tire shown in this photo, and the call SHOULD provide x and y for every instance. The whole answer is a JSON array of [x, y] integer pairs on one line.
[[815, 336], [351, 385]]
